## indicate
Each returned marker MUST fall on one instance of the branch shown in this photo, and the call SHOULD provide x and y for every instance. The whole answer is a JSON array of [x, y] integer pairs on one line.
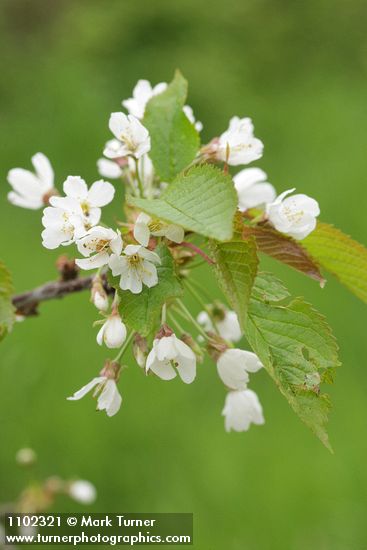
[[27, 302]]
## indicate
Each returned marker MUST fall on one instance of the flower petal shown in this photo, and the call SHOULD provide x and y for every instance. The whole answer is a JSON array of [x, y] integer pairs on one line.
[[101, 193], [75, 187], [94, 262], [43, 170], [85, 389]]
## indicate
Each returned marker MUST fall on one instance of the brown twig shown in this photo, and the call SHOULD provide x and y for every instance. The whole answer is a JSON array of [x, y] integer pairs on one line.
[[27, 302]]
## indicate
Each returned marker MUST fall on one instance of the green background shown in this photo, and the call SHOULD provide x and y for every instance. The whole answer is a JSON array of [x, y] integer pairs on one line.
[[299, 70]]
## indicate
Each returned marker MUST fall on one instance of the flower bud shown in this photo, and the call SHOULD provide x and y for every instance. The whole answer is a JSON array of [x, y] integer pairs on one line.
[[112, 332], [100, 300], [82, 491], [98, 295], [140, 350]]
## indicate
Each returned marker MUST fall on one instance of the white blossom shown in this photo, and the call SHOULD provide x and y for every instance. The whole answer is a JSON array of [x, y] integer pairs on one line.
[[234, 366], [109, 168], [113, 332], [136, 267], [146, 226], [82, 491], [90, 200], [295, 216], [253, 189], [31, 190], [241, 409], [170, 355], [133, 137], [142, 93], [101, 242], [237, 145], [63, 224], [112, 150], [190, 115], [227, 326], [109, 398], [69, 218]]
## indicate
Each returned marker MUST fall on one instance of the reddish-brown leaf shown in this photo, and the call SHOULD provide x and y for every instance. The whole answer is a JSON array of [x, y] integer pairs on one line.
[[285, 249]]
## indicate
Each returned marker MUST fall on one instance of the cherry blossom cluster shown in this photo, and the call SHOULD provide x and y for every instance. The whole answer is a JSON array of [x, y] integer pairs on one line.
[[128, 251]]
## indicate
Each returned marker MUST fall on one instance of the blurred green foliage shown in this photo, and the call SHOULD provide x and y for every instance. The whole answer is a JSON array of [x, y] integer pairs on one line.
[[299, 69]]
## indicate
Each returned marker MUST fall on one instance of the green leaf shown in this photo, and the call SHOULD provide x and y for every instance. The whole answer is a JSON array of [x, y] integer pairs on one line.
[[202, 200], [7, 314], [297, 348], [174, 140], [268, 288], [340, 255], [284, 249], [141, 312], [236, 266]]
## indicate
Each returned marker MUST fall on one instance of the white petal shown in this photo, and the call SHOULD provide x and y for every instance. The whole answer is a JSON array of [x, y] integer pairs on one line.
[[75, 187], [25, 183], [118, 123], [109, 169], [117, 264], [164, 370], [109, 399], [44, 170], [187, 369], [148, 255], [175, 233], [85, 389], [130, 280], [101, 193], [132, 249], [229, 327], [114, 149], [165, 348], [184, 350], [149, 274], [141, 232], [232, 370], [25, 202], [116, 244], [114, 334], [241, 409], [248, 176], [94, 262], [100, 334], [115, 404], [52, 237]]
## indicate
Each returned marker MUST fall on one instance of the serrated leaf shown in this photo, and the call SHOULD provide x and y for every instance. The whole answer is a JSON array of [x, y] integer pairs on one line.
[[7, 315], [285, 249], [297, 348], [202, 200], [340, 255], [174, 139], [268, 288], [236, 266], [141, 312]]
